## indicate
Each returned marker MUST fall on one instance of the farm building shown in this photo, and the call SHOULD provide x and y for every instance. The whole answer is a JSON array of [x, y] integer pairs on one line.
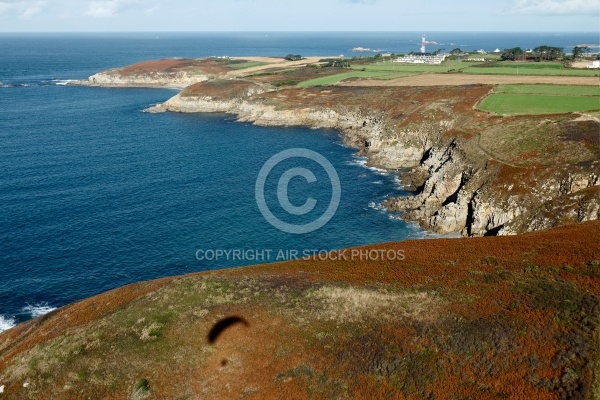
[[421, 59], [594, 64]]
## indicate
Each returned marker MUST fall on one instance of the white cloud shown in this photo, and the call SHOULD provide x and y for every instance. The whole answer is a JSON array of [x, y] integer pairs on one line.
[[25, 9], [4, 7], [359, 1], [564, 7], [32, 10], [110, 8], [102, 9]]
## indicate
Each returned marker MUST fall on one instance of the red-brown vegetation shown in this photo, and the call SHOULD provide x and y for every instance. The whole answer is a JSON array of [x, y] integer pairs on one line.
[[208, 66], [218, 89], [485, 318]]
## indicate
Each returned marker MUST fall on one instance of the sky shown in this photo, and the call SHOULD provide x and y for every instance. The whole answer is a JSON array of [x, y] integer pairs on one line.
[[299, 15]]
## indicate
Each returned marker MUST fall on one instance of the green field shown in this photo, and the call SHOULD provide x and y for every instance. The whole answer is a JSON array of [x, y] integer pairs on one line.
[[531, 65], [244, 65], [515, 104], [333, 79], [550, 90], [530, 71], [401, 67], [497, 68]]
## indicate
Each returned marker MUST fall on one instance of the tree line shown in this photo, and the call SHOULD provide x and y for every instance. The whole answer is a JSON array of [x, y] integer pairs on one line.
[[542, 53]]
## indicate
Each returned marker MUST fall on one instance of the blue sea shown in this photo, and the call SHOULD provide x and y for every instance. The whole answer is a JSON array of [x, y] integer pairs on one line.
[[95, 194]]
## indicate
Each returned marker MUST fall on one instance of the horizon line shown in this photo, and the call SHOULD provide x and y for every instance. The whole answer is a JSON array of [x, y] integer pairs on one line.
[[308, 31]]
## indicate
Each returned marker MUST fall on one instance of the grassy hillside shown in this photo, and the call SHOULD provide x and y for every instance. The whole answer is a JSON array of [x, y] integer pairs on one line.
[[485, 318]]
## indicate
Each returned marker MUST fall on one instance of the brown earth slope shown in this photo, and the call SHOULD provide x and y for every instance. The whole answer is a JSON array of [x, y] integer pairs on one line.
[[483, 318]]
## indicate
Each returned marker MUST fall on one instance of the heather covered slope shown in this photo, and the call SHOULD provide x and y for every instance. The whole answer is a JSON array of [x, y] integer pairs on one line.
[[496, 317]]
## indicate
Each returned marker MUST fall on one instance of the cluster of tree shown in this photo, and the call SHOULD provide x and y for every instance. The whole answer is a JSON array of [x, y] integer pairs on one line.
[[512, 54], [336, 62], [293, 57], [580, 51], [546, 53]]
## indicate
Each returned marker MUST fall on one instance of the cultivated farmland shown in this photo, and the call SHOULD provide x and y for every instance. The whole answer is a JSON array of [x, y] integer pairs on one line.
[[541, 99]]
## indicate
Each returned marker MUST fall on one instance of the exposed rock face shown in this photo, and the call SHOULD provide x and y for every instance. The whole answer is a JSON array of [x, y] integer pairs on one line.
[[179, 79], [460, 187], [466, 198], [404, 150], [568, 198]]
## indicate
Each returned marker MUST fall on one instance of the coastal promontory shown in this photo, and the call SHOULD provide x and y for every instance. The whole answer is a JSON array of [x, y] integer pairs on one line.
[[473, 172]]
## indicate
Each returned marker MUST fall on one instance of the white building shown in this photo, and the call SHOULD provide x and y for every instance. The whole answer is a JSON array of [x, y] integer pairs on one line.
[[595, 64], [421, 59]]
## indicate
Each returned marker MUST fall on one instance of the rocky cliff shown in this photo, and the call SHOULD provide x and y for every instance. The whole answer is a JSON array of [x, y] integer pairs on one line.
[[471, 198], [178, 79], [460, 185], [170, 72]]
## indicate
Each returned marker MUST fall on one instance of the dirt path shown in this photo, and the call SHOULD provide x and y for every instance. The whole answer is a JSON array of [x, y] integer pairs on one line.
[[273, 63], [493, 157], [471, 79]]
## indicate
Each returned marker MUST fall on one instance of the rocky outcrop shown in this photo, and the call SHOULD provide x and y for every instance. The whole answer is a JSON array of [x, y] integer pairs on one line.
[[369, 133], [466, 198], [179, 79], [442, 204], [560, 198]]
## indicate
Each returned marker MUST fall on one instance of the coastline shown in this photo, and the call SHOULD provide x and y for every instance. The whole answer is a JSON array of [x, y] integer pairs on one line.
[[101, 199], [519, 313], [458, 181]]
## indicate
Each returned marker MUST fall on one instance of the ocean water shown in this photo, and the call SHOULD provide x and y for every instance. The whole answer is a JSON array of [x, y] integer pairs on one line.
[[95, 194]]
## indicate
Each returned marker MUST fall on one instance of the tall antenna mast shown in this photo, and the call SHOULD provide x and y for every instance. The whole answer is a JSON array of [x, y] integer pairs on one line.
[[423, 44]]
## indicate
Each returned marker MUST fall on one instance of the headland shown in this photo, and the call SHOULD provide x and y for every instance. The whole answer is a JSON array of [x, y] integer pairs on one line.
[[473, 171]]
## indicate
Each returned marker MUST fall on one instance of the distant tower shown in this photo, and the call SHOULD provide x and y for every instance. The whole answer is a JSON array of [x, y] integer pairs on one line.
[[423, 44]]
